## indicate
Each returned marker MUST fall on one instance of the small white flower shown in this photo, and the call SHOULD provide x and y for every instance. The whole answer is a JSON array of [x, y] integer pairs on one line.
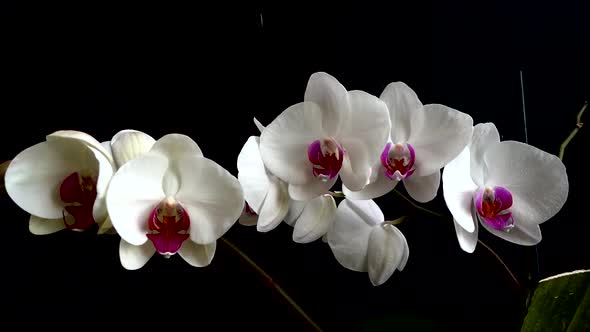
[[423, 139], [363, 241], [332, 133], [508, 187], [172, 200]]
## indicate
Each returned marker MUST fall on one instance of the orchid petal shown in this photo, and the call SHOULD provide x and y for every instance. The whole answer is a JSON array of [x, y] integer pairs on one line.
[[41, 226], [310, 190], [439, 137], [129, 144], [467, 240], [285, 142], [458, 190], [252, 174], [133, 193], [135, 257], [33, 177], [484, 136], [295, 210], [349, 235], [332, 97], [379, 187], [176, 146], [536, 179], [423, 188], [402, 103], [363, 137], [522, 233], [274, 208], [247, 219], [106, 226], [384, 252], [315, 220], [198, 255], [105, 173], [81, 137], [212, 197]]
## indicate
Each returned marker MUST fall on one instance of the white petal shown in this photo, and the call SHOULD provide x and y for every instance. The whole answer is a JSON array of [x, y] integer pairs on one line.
[[107, 146], [315, 220], [402, 102], [522, 233], [35, 189], [212, 197], [198, 255], [467, 240], [536, 179], [295, 210], [364, 136], [379, 187], [311, 190], [274, 208], [349, 235], [176, 146], [285, 141], [81, 137], [332, 97], [384, 253], [423, 188], [252, 174], [133, 193], [406, 253], [248, 219], [458, 190], [259, 125], [105, 172], [439, 137], [359, 178], [40, 226], [129, 144], [135, 257], [485, 135]]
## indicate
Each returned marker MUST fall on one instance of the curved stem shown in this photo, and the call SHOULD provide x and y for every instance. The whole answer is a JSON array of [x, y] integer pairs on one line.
[[268, 279], [418, 207], [579, 124], [501, 262]]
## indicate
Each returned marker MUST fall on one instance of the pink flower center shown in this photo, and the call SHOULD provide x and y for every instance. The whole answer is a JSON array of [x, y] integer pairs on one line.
[[493, 207], [168, 226], [398, 160], [78, 193], [248, 210], [326, 156]]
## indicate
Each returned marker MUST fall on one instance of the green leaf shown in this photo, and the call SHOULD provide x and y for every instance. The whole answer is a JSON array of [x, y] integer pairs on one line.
[[560, 303]]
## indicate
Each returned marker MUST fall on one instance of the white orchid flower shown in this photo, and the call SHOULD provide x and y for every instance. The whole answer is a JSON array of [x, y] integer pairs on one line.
[[332, 133], [68, 191], [61, 182], [172, 200], [508, 187], [363, 241], [268, 201], [424, 138]]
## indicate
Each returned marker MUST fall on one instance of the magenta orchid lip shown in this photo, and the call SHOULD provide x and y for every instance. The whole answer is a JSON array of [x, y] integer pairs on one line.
[[78, 194], [398, 161], [493, 207], [168, 225], [326, 156]]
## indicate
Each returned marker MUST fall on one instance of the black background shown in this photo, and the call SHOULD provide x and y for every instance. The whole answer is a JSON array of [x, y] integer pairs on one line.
[[206, 72]]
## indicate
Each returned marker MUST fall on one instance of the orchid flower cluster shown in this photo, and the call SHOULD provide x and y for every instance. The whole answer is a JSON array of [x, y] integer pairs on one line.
[[164, 196]]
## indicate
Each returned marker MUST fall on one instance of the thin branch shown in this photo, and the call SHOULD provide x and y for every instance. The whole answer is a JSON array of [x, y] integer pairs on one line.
[[579, 125], [501, 262], [416, 205], [276, 286]]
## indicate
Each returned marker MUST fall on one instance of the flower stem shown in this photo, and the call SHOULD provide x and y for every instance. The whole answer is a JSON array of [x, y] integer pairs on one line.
[[418, 207], [501, 262], [579, 124], [268, 279]]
